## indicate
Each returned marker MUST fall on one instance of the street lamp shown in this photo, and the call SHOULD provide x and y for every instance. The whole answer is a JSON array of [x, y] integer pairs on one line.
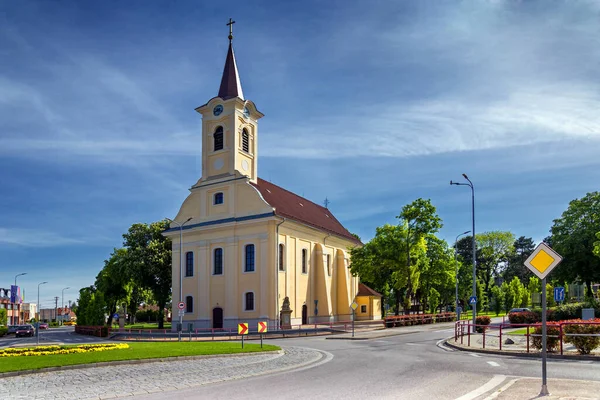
[[456, 264], [62, 317], [470, 184], [37, 334], [13, 306], [180, 225]]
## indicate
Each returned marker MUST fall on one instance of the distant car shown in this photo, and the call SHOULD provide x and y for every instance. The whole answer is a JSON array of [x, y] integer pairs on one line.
[[12, 329], [24, 330], [519, 310], [70, 323], [43, 325]]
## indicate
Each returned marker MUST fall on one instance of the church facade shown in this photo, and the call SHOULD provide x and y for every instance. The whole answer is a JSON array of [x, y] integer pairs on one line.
[[247, 243]]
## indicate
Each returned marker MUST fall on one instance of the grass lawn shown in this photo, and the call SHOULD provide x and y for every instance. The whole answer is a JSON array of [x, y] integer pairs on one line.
[[522, 331], [469, 314], [135, 351], [146, 325]]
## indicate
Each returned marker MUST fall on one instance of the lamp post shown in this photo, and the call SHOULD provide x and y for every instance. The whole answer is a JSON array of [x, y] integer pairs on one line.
[[37, 321], [470, 184], [456, 263], [13, 306], [180, 225], [62, 317]]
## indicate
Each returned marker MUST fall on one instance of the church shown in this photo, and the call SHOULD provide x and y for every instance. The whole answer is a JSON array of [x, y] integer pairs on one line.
[[250, 246]]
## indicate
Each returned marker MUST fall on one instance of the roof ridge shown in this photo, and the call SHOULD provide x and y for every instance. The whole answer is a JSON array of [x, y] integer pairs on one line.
[[297, 195]]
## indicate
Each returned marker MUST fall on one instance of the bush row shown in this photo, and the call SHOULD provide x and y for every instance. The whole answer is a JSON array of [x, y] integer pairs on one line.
[[560, 313], [583, 344]]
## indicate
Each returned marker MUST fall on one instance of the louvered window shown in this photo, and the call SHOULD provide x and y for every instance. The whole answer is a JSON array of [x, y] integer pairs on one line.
[[245, 141], [218, 136]]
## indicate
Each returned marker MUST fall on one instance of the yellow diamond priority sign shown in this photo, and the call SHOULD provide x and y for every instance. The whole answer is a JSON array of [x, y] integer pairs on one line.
[[543, 260], [354, 305]]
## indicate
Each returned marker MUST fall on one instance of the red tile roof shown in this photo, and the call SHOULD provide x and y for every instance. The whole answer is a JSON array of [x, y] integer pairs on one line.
[[364, 290], [290, 205]]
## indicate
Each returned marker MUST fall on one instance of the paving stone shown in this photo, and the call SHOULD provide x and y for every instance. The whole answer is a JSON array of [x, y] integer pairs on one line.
[[139, 379]]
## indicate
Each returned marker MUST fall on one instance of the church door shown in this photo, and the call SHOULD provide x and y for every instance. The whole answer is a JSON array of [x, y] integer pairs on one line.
[[304, 314], [218, 318]]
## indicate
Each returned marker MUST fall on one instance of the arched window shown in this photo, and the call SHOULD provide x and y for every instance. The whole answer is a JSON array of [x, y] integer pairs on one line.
[[304, 255], [189, 304], [189, 263], [218, 262], [249, 301], [219, 198], [328, 265], [281, 257], [245, 141], [249, 265], [218, 136]]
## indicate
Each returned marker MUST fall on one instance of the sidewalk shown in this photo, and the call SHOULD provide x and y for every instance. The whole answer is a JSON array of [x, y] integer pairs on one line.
[[563, 389]]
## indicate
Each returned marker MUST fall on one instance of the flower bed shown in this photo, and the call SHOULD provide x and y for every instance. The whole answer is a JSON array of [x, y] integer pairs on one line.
[[49, 350]]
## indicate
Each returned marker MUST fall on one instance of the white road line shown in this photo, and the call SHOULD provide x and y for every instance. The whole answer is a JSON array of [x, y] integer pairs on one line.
[[445, 330], [474, 355], [492, 383], [493, 363], [413, 344], [502, 389]]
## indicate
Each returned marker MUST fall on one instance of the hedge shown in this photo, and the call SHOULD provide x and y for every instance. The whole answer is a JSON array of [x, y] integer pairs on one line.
[[482, 320], [583, 344], [552, 337]]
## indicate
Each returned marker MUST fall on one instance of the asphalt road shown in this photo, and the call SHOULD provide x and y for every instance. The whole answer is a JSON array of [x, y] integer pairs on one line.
[[408, 366], [65, 334]]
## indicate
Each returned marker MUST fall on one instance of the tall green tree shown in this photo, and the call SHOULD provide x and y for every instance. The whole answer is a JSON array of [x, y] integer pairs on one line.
[[115, 282], [439, 271], [495, 247], [91, 307], [573, 237], [515, 261], [419, 219], [3, 316], [149, 261]]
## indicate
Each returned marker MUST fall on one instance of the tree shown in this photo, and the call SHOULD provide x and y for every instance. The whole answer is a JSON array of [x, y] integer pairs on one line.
[[115, 282], [420, 219], [90, 310], [498, 299], [495, 246], [573, 237], [597, 245], [439, 271], [149, 261], [515, 262], [3, 316]]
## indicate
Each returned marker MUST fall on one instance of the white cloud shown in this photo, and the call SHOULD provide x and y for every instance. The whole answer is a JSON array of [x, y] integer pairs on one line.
[[34, 238]]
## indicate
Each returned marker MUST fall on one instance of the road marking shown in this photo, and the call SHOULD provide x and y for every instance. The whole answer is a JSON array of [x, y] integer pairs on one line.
[[474, 355], [413, 344], [441, 344], [382, 341], [493, 363], [502, 389], [445, 330], [492, 383]]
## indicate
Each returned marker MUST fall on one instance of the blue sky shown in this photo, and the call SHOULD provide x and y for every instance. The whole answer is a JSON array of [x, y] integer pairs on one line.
[[370, 104]]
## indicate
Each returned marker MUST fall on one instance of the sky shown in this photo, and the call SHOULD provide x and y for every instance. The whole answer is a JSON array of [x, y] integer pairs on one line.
[[368, 104]]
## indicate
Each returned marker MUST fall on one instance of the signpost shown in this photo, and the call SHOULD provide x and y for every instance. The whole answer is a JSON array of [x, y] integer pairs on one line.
[[541, 262], [262, 328], [559, 294], [243, 330], [354, 306]]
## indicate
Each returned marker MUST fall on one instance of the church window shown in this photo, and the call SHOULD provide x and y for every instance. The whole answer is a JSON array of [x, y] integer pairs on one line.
[[245, 141], [218, 262], [219, 198], [218, 136], [304, 254], [189, 263], [249, 266], [328, 265], [281, 257], [189, 304], [249, 301]]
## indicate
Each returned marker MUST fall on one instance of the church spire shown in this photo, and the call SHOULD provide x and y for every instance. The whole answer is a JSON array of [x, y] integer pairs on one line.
[[230, 82]]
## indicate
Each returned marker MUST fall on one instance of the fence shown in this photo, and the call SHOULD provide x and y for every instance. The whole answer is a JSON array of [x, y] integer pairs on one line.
[[465, 328]]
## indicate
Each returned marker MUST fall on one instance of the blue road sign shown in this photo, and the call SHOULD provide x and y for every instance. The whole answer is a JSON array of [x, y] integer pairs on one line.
[[559, 294], [473, 300], [116, 316]]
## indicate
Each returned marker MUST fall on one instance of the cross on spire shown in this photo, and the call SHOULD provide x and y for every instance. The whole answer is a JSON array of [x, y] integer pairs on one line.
[[326, 202], [230, 24]]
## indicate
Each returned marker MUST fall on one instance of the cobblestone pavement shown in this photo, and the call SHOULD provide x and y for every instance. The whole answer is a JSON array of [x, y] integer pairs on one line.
[[138, 379]]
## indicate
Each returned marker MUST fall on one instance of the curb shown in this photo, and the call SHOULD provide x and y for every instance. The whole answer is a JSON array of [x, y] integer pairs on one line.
[[334, 337], [522, 355], [131, 362]]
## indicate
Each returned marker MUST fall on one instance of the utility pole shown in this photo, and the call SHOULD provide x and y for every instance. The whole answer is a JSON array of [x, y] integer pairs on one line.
[[55, 307]]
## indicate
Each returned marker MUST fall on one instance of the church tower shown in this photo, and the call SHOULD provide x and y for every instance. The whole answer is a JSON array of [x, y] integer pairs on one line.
[[229, 128]]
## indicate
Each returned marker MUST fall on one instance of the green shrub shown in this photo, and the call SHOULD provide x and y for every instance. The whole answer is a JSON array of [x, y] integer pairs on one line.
[[524, 317], [583, 344], [568, 311], [552, 337], [482, 320], [3, 331]]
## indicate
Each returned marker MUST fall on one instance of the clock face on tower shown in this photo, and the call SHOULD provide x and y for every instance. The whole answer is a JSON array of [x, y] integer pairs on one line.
[[246, 112], [218, 110]]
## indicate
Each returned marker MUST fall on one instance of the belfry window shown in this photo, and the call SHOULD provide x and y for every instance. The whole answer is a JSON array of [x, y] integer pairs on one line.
[[218, 136], [245, 141], [219, 198]]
